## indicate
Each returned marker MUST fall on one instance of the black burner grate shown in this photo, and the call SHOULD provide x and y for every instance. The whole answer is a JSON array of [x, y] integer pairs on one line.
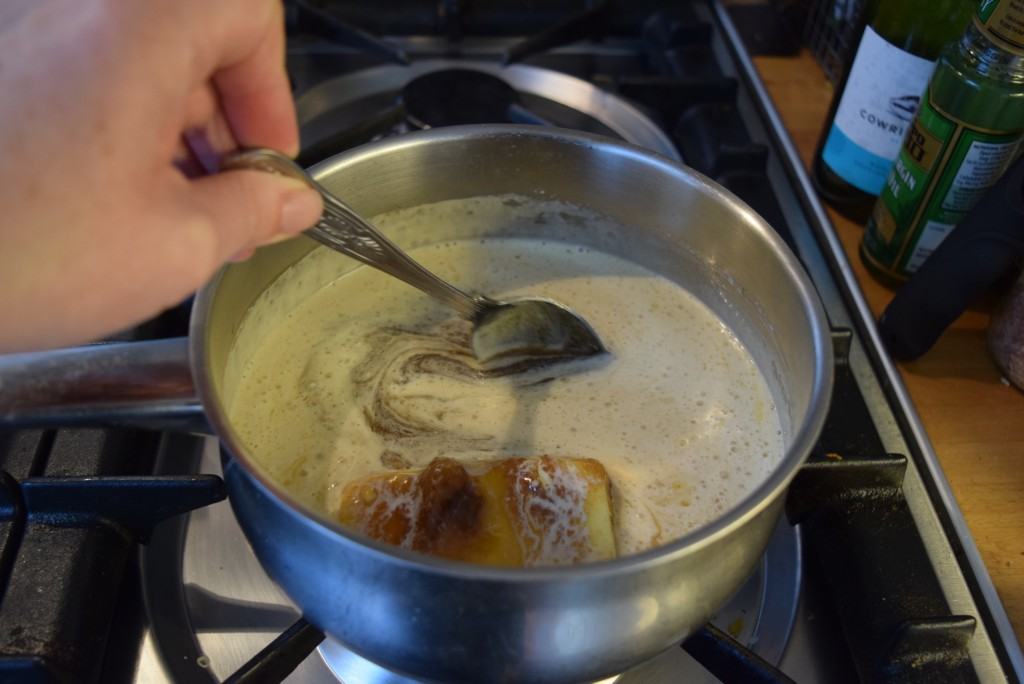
[[67, 536]]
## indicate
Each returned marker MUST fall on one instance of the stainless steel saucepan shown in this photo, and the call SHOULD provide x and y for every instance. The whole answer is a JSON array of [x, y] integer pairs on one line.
[[448, 621]]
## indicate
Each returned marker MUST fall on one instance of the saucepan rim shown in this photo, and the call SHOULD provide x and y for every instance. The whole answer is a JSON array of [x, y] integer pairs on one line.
[[748, 507]]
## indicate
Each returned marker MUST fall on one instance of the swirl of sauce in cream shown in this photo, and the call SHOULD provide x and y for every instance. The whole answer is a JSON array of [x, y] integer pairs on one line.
[[419, 389]]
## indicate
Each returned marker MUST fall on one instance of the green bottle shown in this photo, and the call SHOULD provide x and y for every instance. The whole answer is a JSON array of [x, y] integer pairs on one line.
[[966, 132], [878, 96]]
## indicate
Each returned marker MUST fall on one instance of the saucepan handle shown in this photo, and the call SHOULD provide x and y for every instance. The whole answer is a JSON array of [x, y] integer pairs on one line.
[[120, 384]]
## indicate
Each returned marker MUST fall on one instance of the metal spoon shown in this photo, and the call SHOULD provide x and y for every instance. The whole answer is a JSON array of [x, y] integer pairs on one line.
[[520, 327]]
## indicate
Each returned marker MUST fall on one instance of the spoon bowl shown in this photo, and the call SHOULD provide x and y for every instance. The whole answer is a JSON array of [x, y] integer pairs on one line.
[[532, 327]]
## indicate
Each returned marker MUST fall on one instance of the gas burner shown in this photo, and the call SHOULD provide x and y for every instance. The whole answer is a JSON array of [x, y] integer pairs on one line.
[[452, 97], [388, 100]]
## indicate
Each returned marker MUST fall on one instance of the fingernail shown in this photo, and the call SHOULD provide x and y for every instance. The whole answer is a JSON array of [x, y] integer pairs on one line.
[[300, 210], [243, 255]]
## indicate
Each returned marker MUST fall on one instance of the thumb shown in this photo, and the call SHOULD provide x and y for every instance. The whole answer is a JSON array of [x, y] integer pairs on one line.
[[249, 208]]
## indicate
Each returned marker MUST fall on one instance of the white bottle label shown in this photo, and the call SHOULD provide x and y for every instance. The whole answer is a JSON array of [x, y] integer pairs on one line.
[[881, 96]]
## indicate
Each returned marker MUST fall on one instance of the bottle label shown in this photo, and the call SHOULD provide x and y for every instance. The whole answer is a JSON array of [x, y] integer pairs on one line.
[[943, 169], [1003, 22], [881, 95]]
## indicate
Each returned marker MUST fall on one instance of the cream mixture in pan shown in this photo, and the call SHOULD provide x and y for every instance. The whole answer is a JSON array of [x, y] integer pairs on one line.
[[368, 374]]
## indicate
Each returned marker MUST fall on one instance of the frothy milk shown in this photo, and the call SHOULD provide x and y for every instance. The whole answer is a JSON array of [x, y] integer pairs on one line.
[[368, 374]]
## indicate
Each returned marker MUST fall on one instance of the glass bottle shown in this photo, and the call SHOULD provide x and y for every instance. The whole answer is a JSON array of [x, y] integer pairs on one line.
[[966, 133], [879, 95]]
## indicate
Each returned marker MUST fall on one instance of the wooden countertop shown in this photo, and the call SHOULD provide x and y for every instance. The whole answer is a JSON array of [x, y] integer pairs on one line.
[[974, 420]]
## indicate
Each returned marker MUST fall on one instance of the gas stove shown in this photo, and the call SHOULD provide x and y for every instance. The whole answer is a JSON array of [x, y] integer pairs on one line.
[[871, 576]]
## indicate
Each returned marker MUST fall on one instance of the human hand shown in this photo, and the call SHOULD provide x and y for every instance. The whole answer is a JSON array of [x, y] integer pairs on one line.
[[101, 227]]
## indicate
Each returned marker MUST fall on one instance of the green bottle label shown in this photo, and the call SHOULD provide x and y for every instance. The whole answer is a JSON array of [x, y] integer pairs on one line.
[[1003, 22], [943, 169]]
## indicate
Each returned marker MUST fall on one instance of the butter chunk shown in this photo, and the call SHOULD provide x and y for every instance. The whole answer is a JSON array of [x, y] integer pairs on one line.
[[512, 512]]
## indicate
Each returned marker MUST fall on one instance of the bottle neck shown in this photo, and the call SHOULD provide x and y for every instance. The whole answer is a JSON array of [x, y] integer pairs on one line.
[[978, 52]]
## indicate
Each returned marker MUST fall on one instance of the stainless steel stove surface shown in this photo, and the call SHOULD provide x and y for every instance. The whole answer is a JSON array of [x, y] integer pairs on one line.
[[871, 576]]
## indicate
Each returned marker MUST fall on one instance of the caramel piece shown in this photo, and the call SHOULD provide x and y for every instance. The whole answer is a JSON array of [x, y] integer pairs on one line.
[[518, 512]]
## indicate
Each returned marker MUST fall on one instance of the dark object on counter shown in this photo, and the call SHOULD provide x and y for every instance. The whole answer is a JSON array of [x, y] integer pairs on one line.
[[1006, 334], [982, 248]]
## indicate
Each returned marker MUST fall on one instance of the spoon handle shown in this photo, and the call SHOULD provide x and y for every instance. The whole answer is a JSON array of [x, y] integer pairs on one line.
[[342, 229]]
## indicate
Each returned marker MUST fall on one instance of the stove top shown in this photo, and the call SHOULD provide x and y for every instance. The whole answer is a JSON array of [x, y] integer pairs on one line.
[[871, 576]]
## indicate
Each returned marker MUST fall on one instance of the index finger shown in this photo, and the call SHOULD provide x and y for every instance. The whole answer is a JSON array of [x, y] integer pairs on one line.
[[253, 88]]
